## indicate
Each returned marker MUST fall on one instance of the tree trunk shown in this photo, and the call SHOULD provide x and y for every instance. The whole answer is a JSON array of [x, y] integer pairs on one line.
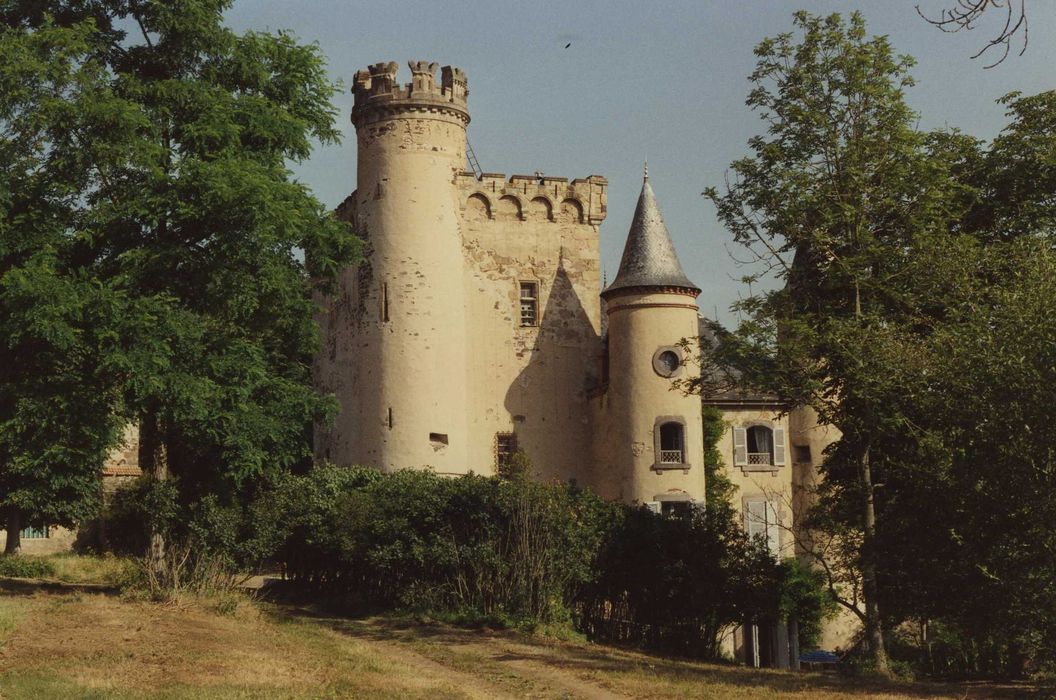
[[874, 633], [154, 461], [14, 531]]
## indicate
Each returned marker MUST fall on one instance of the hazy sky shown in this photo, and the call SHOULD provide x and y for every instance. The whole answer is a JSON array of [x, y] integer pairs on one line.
[[645, 79]]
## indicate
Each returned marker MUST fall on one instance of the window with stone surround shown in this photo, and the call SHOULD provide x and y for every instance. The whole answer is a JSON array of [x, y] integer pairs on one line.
[[758, 447], [505, 448], [529, 304]]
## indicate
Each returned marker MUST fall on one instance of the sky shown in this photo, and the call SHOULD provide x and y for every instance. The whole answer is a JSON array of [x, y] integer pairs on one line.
[[644, 79]]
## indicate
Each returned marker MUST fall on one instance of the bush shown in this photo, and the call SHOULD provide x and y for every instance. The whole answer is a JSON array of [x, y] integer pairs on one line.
[[509, 550], [518, 552], [674, 584], [23, 566]]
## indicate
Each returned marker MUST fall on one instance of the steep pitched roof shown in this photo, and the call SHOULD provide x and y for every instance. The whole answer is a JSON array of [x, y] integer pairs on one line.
[[649, 258], [728, 396]]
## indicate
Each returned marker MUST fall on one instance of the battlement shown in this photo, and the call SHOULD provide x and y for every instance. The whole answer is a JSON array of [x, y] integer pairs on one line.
[[584, 200], [377, 90]]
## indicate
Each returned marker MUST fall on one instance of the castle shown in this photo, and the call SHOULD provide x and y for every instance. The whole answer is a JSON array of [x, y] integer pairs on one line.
[[476, 325]]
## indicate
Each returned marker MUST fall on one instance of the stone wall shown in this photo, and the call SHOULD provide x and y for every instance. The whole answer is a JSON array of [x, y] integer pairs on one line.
[[532, 380]]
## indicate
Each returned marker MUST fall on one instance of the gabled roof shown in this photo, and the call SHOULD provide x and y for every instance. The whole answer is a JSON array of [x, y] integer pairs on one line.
[[649, 258]]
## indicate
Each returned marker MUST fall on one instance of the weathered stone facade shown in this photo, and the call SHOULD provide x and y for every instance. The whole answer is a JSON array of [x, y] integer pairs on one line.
[[475, 321]]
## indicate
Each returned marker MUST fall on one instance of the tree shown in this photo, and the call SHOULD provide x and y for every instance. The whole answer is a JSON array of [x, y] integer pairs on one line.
[[193, 214], [965, 14], [835, 197], [58, 390]]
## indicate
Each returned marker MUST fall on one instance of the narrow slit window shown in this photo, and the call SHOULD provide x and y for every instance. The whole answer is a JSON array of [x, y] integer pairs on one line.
[[385, 302], [529, 303]]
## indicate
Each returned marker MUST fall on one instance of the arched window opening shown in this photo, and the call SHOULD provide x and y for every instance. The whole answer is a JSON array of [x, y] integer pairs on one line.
[[760, 445], [672, 445]]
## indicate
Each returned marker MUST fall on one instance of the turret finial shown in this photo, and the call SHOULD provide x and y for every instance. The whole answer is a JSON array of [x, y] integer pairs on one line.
[[645, 170]]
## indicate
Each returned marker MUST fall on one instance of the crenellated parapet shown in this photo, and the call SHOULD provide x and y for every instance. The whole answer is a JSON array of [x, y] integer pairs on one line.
[[525, 197], [378, 94]]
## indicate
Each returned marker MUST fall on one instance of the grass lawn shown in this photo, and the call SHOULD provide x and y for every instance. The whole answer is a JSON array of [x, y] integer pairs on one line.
[[93, 645]]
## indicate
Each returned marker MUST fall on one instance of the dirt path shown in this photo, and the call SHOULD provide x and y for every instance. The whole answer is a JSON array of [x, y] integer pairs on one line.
[[486, 664]]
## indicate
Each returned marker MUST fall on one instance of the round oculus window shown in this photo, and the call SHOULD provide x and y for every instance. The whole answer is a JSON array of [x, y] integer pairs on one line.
[[667, 362]]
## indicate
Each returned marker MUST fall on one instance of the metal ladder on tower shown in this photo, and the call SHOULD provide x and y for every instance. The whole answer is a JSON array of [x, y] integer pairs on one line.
[[472, 158]]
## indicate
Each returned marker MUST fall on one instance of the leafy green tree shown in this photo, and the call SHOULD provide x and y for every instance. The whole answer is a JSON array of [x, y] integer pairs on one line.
[[192, 212], [966, 540], [833, 200], [58, 385], [1015, 178]]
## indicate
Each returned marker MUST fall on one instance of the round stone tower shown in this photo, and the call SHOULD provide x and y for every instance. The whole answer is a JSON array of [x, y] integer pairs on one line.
[[404, 401], [653, 437]]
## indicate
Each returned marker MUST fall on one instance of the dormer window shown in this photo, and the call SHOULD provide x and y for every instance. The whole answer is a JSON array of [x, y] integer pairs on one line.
[[758, 447]]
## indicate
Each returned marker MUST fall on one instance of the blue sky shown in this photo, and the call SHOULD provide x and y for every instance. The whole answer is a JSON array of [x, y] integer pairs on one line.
[[659, 80]]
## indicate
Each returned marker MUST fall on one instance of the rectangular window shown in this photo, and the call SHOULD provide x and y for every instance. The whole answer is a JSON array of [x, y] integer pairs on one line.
[[505, 448], [529, 303], [675, 508], [801, 453], [34, 533], [761, 520]]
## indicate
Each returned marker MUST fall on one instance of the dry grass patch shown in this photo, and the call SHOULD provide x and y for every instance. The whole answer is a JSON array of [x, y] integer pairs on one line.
[[546, 668], [80, 568], [90, 645]]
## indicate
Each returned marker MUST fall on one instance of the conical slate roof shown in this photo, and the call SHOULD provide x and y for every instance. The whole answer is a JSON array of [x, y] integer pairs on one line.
[[649, 258]]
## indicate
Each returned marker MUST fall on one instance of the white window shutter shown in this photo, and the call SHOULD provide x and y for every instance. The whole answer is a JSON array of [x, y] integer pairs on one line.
[[653, 506], [740, 447], [755, 518], [773, 529], [779, 447]]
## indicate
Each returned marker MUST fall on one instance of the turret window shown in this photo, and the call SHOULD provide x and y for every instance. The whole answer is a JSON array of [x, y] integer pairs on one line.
[[670, 447], [672, 444], [668, 361]]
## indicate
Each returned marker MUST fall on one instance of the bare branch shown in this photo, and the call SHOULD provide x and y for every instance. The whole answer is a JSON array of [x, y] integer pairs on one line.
[[966, 13]]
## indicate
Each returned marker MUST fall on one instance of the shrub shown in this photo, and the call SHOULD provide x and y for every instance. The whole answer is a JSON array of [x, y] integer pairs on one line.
[[510, 550], [487, 548], [24, 566], [674, 584]]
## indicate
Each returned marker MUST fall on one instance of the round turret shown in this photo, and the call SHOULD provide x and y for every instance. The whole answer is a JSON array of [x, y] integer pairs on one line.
[[652, 438], [402, 387]]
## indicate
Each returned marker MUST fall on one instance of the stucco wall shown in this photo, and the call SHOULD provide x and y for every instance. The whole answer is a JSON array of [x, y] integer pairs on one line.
[[773, 484], [637, 397]]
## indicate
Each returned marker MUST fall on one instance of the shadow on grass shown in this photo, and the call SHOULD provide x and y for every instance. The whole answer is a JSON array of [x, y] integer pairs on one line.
[[589, 661], [29, 586]]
